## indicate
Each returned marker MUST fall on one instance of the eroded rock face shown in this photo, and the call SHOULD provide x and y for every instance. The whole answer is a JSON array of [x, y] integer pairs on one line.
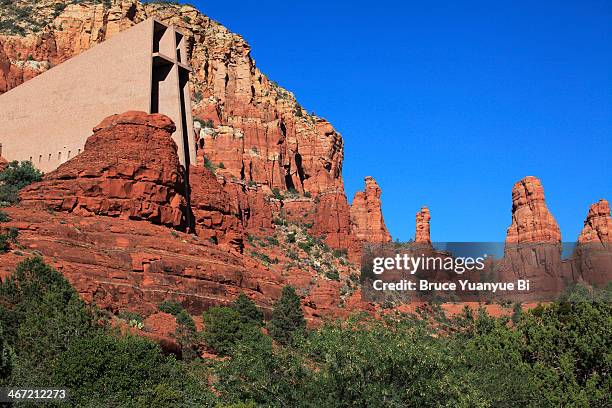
[[531, 220], [422, 226], [257, 129], [3, 163], [332, 220], [366, 214], [215, 213], [598, 224], [252, 126], [128, 169]]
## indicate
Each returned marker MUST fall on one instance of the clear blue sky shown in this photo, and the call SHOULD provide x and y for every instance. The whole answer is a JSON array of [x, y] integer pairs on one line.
[[448, 103]]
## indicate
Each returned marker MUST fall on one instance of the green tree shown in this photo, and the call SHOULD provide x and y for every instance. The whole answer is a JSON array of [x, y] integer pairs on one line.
[[223, 328], [249, 313], [187, 336], [15, 177], [7, 358], [287, 321], [258, 373], [41, 314], [126, 369]]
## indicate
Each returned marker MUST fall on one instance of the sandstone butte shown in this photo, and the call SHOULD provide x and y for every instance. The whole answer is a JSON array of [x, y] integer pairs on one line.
[[531, 220], [598, 224]]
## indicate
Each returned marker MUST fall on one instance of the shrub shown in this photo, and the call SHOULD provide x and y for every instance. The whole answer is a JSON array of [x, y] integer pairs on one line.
[[170, 306], [117, 371], [277, 194], [221, 165], [8, 238], [305, 246], [264, 257], [273, 241], [130, 316], [287, 321], [41, 315], [5, 242], [332, 274], [209, 165], [4, 217], [7, 357], [279, 221], [184, 319], [298, 110]]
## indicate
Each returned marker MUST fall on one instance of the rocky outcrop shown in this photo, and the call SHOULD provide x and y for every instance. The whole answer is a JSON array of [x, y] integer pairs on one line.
[[422, 235], [129, 169], [531, 220], [332, 220], [3, 163], [533, 242], [366, 214], [215, 213], [598, 224]]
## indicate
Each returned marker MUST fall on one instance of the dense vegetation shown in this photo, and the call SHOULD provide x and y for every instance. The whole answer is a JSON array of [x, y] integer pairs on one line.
[[556, 355], [15, 177]]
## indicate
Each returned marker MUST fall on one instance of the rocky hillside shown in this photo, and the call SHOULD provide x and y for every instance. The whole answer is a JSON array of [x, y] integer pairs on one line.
[[113, 219], [253, 133], [267, 203]]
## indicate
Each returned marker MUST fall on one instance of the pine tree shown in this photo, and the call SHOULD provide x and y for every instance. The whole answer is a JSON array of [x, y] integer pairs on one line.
[[249, 314], [287, 317]]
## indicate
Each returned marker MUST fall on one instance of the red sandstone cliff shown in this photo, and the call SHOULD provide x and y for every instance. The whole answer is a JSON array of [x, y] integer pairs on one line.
[[259, 131], [109, 232], [531, 220], [253, 131], [598, 224]]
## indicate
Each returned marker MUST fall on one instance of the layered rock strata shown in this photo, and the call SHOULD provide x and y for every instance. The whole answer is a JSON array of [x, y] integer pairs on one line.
[[531, 220], [598, 224], [129, 169]]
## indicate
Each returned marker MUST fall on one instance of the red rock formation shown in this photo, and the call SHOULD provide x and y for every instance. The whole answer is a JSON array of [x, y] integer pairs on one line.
[[3, 163], [598, 224], [129, 169], [531, 220], [261, 133], [366, 214], [216, 216], [422, 226], [250, 124], [253, 126], [332, 220]]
